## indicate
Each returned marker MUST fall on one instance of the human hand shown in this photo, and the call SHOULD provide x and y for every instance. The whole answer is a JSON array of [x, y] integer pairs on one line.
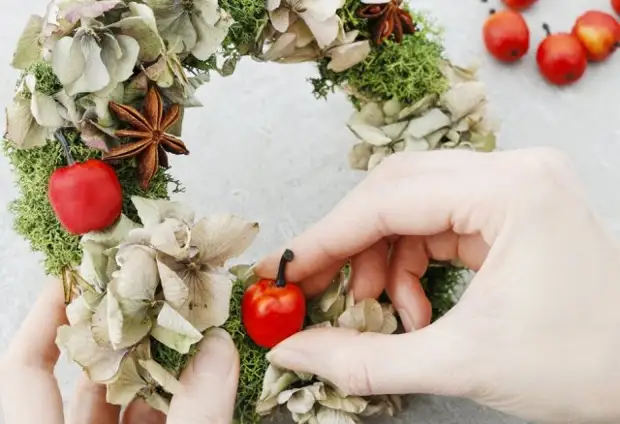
[[30, 392], [537, 332]]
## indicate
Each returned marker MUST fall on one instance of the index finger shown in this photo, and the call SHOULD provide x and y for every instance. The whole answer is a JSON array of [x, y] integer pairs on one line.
[[413, 194]]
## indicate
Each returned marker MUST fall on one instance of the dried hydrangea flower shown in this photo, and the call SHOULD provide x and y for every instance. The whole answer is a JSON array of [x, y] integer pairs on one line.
[[319, 16], [192, 26], [457, 119], [310, 399], [75, 10]]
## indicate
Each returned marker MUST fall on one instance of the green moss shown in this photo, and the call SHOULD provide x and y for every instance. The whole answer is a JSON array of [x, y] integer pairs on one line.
[[252, 360], [47, 81], [441, 285], [34, 218], [170, 359], [407, 71], [250, 16]]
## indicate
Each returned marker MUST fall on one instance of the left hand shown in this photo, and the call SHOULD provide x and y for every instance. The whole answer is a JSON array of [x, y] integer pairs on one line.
[[30, 394]]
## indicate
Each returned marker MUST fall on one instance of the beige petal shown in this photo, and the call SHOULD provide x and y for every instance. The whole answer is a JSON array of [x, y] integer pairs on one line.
[[390, 324], [99, 324], [222, 237], [370, 134], [320, 10], [303, 418], [280, 18], [283, 46], [155, 211], [348, 55], [434, 138], [413, 144], [275, 381], [100, 364], [303, 35], [209, 299], [367, 315], [463, 98], [125, 388], [163, 378], [324, 31], [299, 400], [171, 237], [210, 38], [392, 108], [21, 127], [174, 331], [419, 107], [359, 155], [352, 404], [395, 130], [137, 278], [372, 114], [431, 121], [176, 292], [273, 4]]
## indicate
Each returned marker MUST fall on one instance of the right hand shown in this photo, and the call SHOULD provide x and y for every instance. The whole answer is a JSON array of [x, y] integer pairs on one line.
[[537, 332]]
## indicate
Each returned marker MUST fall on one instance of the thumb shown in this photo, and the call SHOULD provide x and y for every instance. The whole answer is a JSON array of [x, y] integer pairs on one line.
[[433, 360], [209, 383]]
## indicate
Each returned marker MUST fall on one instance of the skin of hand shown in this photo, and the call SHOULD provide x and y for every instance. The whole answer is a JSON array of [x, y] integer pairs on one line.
[[537, 332], [30, 394]]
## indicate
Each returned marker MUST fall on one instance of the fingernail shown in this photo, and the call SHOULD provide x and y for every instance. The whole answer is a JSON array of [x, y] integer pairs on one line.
[[216, 354], [406, 320], [286, 358]]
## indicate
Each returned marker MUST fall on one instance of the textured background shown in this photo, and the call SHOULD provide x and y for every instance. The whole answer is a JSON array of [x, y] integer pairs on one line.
[[264, 148]]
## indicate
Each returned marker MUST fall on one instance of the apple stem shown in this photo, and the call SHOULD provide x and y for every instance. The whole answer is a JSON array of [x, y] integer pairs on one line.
[[547, 29], [65, 146], [287, 257]]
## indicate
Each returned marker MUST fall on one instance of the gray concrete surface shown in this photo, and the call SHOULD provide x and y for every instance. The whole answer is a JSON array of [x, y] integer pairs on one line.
[[264, 148]]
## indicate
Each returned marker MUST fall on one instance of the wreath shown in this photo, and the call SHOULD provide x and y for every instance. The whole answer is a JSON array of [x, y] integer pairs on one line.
[[99, 106]]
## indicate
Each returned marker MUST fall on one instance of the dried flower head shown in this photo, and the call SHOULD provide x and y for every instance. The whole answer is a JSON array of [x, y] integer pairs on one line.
[[457, 119], [310, 399]]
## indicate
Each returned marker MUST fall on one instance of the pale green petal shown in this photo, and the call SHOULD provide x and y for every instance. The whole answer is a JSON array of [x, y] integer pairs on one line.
[[280, 18], [28, 48], [46, 111], [174, 331], [158, 403], [209, 11], [142, 27], [283, 46], [348, 55], [428, 123], [367, 315], [127, 385], [100, 364], [100, 324], [120, 67], [463, 98], [171, 237], [129, 320], [95, 76], [325, 32], [370, 134], [21, 127], [155, 211], [299, 401], [274, 382], [221, 237], [390, 324], [68, 61], [210, 38], [320, 10], [352, 404], [179, 31], [333, 416]]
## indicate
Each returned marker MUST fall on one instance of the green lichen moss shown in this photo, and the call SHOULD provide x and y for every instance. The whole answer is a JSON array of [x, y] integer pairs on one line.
[[441, 284], [34, 217], [47, 81], [252, 360], [250, 16], [407, 71]]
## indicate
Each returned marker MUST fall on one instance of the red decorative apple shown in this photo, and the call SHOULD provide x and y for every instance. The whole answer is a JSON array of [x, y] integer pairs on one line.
[[599, 33], [85, 196], [616, 6], [519, 4]]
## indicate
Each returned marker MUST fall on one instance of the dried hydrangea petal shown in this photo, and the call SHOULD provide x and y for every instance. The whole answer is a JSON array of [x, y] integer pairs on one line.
[[431, 121], [221, 237], [419, 107], [370, 134], [125, 388], [176, 291], [301, 400], [376, 159], [346, 56], [359, 156], [372, 114], [274, 382], [352, 404], [394, 131], [390, 324], [163, 378], [155, 211], [463, 98], [171, 237], [100, 364], [330, 305], [174, 331], [129, 320], [366, 315], [333, 416]]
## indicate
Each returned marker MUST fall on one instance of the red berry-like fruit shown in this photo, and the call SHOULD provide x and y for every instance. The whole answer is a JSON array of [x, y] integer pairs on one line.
[[519, 4], [615, 4], [273, 310], [506, 35], [85, 196], [561, 58], [599, 32]]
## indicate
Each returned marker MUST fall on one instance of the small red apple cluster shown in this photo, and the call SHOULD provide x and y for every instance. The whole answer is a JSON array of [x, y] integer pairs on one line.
[[562, 57]]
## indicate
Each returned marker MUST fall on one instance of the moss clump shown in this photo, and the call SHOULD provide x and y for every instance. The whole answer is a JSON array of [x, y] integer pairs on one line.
[[441, 285], [250, 16], [407, 71], [170, 359], [34, 218], [252, 360], [47, 81]]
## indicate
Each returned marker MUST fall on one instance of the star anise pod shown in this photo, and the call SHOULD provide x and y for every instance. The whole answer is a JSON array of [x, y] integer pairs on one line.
[[388, 18], [148, 129]]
